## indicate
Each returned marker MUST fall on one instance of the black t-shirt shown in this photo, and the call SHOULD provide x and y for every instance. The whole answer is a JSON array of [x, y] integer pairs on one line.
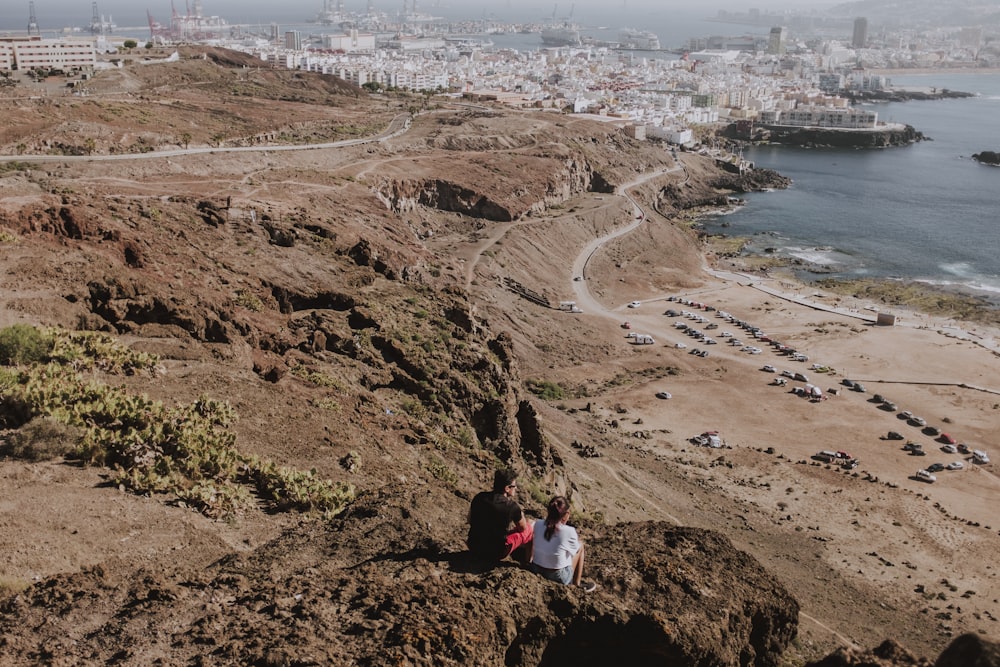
[[491, 516]]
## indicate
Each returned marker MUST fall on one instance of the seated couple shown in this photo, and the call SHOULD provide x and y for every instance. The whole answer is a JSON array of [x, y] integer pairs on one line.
[[498, 528]]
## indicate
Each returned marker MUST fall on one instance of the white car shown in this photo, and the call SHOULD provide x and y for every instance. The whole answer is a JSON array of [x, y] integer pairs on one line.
[[769, 368], [680, 346], [950, 449], [634, 304], [955, 465], [726, 334], [979, 456], [926, 476]]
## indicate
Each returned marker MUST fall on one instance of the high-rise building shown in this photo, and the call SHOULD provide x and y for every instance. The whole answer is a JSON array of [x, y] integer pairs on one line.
[[860, 37], [971, 38], [776, 42], [293, 40]]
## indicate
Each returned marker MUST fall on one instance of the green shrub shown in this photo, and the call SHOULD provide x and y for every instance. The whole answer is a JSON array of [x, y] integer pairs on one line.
[[550, 391], [187, 450], [44, 439], [24, 344]]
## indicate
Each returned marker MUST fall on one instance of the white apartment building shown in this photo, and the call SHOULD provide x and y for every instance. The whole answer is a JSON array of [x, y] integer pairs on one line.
[[32, 52], [6, 57], [352, 42], [809, 116]]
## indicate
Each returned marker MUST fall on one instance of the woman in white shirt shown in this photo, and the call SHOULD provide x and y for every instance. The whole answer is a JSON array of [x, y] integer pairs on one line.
[[557, 552]]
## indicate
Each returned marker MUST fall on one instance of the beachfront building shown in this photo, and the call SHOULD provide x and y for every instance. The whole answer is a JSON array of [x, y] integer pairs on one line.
[[827, 117]]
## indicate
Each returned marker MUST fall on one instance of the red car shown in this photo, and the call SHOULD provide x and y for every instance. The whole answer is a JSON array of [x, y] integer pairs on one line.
[[947, 439]]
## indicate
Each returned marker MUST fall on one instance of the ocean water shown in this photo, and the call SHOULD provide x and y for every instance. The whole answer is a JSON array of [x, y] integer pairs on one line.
[[925, 212]]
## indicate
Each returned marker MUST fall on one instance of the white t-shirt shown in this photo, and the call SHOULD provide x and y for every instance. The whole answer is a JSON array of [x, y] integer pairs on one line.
[[557, 552]]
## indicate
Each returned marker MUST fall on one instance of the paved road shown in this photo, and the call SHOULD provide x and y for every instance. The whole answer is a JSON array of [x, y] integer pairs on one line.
[[397, 126], [585, 300]]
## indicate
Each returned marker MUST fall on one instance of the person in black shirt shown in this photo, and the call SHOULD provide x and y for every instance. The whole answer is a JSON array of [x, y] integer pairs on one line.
[[497, 527]]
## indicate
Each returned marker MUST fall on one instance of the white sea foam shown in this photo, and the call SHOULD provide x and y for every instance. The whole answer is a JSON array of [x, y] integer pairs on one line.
[[820, 256], [975, 284], [960, 269]]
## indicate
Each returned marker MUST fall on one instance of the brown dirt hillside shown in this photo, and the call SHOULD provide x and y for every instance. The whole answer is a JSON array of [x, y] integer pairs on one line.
[[384, 315]]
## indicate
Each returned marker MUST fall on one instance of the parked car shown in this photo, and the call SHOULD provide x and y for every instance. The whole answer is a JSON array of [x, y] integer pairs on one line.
[[788, 374], [948, 440], [850, 464], [925, 476], [893, 435], [980, 457], [950, 449], [680, 346], [932, 431], [935, 467], [918, 421], [664, 394], [769, 368], [905, 414], [889, 406], [634, 304], [955, 465], [858, 387], [878, 398], [964, 448]]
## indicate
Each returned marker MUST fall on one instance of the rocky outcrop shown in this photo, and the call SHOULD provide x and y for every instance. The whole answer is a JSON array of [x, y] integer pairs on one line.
[[381, 585], [988, 157], [902, 95], [965, 651], [546, 182], [814, 137]]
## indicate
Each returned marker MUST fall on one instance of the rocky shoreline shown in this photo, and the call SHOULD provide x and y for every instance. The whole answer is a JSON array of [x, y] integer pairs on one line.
[[903, 95], [815, 137]]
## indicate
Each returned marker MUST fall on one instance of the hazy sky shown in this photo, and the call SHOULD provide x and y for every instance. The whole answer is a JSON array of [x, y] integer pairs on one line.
[[54, 14]]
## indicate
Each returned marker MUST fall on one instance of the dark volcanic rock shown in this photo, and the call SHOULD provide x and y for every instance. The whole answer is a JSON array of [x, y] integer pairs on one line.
[[903, 95], [886, 654], [988, 157], [966, 651], [824, 137], [970, 651]]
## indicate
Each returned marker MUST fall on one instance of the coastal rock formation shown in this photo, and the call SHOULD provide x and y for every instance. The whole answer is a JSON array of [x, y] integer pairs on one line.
[[902, 95], [814, 137], [991, 158]]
